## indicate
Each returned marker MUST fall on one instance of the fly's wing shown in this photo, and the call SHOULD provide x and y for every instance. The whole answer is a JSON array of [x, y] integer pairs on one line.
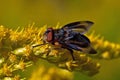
[[80, 46], [80, 26]]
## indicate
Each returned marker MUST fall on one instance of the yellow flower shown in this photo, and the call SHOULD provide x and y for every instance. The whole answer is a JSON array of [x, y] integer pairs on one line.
[[44, 73], [17, 50], [6, 70], [105, 49]]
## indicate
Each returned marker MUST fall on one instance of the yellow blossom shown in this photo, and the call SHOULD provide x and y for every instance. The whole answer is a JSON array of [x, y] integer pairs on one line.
[[18, 53]]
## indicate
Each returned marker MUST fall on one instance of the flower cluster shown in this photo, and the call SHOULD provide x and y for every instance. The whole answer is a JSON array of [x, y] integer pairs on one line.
[[52, 73], [105, 49], [17, 53]]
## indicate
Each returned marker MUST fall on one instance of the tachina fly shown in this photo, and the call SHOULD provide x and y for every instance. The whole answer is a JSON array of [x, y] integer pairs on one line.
[[71, 37]]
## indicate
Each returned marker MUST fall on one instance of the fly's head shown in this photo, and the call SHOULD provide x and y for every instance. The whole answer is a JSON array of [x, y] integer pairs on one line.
[[48, 35]]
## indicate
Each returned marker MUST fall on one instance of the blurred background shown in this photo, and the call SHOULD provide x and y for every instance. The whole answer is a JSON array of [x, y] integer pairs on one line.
[[104, 13]]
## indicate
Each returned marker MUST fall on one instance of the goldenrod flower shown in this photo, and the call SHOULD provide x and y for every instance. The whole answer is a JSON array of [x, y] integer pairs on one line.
[[105, 49], [44, 73], [17, 53], [6, 70]]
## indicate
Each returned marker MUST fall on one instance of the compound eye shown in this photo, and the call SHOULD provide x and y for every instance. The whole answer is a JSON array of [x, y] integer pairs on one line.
[[49, 36]]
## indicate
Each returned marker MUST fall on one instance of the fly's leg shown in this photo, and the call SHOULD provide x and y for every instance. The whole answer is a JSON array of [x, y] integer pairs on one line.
[[33, 46], [71, 52], [37, 45]]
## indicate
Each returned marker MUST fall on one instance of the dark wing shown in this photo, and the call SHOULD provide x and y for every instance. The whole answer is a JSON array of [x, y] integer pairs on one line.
[[81, 43], [80, 46], [80, 26]]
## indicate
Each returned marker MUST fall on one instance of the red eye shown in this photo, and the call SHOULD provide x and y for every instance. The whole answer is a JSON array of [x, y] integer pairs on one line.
[[49, 36]]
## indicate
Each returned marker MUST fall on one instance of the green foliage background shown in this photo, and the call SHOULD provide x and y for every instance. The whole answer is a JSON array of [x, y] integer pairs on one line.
[[104, 13]]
